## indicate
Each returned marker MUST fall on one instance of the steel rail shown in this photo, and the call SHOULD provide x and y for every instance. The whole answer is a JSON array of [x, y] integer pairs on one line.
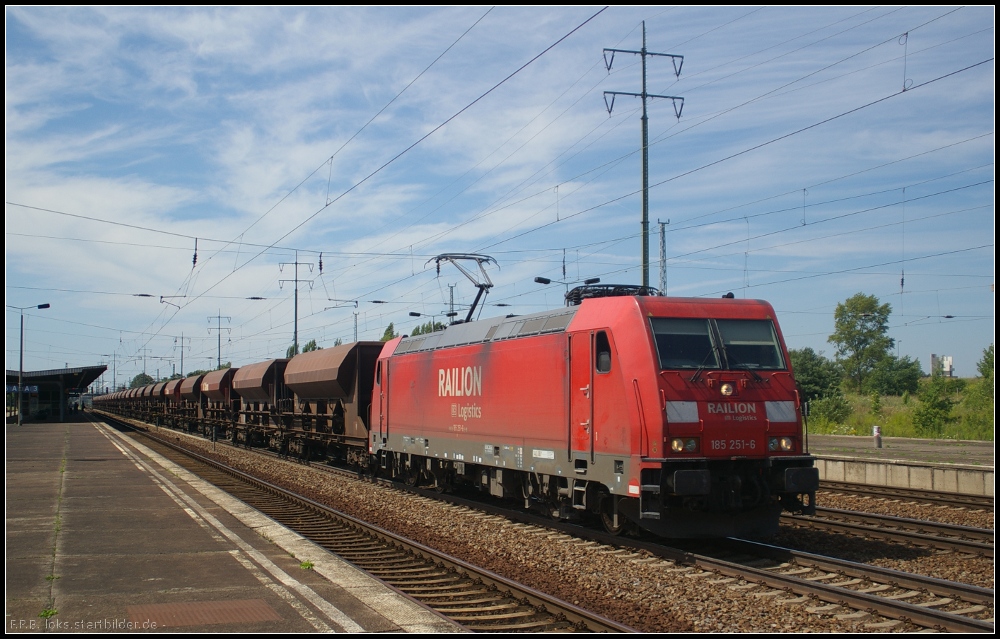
[[579, 618], [889, 608], [879, 526], [939, 587], [893, 609], [959, 500], [954, 530]]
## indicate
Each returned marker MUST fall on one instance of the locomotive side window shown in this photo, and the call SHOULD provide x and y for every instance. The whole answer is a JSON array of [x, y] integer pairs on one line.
[[750, 344], [684, 343], [602, 353]]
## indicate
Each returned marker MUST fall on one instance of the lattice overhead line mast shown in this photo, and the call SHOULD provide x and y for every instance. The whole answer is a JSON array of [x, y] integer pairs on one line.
[[678, 61], [296, 280], [219, 318]]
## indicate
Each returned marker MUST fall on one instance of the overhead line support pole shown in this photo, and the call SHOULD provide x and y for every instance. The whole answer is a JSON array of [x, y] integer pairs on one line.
[[219, 317], [645, 131], [296, 263], [663, 255]]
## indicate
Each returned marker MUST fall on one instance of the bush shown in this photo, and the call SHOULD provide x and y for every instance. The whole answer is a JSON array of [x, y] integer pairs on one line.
[[935, 410], [977, 416], [876, 404], [833, 408], [949, 408]]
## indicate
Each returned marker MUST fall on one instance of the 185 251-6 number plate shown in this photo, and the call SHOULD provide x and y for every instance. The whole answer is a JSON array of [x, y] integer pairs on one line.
[[732, 444]]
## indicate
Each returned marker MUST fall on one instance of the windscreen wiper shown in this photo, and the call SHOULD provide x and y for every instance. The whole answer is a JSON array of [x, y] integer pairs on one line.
[[738, 365], [701, 369]]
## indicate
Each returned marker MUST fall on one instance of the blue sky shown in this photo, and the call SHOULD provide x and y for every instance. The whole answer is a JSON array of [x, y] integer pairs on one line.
[[372, 139]]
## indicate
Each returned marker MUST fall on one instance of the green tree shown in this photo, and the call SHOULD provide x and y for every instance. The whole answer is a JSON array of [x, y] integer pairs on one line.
[[390, 333], [978, 401], [338, 342], [140, 380], [429, 327], [815, 375], [293, 349], [894, 376], [861, 327], [311, 346], [202, 371], [935, 410], [985, 366]]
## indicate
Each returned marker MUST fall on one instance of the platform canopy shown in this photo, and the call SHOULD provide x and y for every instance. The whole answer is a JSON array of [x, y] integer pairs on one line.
[[47, 393], [74, 380]]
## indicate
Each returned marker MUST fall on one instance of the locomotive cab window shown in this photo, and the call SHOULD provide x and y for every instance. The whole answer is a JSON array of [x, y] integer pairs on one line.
[[722, 344], [602, 353], [750, 344], [684, 343]]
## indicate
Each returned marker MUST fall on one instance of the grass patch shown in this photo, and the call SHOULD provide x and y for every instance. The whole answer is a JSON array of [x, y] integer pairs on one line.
[[894, 415], [48, 613], [306, 565]]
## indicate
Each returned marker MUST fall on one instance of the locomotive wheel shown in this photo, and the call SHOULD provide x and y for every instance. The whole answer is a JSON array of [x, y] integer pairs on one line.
[[411, 476], [606, 505], [441, 487], [439, 481]]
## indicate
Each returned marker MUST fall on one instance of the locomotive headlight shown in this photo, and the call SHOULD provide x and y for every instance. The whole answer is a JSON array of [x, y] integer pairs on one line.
[[726, 389], [685, 445], [783, 444]]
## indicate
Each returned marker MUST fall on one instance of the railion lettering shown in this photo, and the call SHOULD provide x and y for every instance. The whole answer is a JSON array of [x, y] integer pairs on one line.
[[732, 408], [460, 382]]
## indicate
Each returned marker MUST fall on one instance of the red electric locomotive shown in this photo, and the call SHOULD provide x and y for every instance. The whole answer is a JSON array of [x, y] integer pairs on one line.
[[676, 415]]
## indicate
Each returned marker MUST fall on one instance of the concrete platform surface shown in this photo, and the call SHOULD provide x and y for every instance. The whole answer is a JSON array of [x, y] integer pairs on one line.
[[102, 534], [925, 451], [944, 465]]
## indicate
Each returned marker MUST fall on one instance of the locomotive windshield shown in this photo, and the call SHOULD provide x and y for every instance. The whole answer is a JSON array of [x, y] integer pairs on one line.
[[711, 343]]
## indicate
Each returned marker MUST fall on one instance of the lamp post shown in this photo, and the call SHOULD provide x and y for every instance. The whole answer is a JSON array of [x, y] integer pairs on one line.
[[114, 369], [345, 302], [20, 372], [587, 282]]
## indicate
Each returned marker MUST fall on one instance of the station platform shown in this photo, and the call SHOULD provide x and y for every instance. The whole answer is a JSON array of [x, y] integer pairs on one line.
[[964, 467], [103, 534]]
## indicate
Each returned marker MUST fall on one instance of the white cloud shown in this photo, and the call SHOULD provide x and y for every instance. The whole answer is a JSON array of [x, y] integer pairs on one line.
[[198, 121]]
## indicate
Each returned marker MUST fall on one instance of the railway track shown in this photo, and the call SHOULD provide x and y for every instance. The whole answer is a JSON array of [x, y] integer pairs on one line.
[[474, 598], [892, 599], [954, 500], [886, 599], [964, 539], [824, 585], [939, 604]]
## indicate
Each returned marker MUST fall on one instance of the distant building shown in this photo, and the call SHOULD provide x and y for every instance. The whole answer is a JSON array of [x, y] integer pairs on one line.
[[945, 362]]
